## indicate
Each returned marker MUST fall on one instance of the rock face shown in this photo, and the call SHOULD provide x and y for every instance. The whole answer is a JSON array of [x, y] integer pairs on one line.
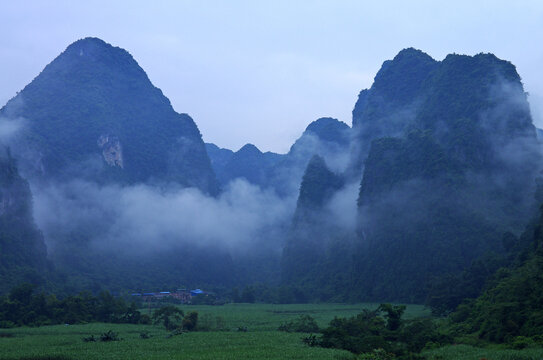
[[22, 249], [94, 93], [112, 151]]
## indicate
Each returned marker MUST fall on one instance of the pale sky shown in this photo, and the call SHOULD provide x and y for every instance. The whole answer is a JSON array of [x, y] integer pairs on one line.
[[260, 71]]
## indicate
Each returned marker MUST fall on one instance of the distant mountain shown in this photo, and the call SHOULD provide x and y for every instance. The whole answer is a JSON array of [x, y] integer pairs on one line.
[[93, 113], [248, 163], [23, 256], [219, 158], [326, 137]]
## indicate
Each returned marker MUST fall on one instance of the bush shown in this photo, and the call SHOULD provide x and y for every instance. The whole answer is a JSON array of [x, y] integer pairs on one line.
[[190, 321], [109, 336], [311, 340]]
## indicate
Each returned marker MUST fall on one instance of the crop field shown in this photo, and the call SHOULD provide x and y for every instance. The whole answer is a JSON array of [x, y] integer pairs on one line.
[[223, 341], [260, 341]]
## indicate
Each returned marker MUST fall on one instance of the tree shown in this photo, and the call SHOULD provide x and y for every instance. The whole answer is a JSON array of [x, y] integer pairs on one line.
[[169, 315], [190, 321], [393, 315]]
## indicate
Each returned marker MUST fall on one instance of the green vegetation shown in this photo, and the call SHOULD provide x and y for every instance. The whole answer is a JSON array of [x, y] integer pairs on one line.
[[260, 341], [369, 331], [22, 307], [510, 309]]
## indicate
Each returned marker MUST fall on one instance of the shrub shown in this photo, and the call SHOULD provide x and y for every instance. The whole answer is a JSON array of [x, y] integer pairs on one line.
[[311, 340], [109, 336], [190, 321]]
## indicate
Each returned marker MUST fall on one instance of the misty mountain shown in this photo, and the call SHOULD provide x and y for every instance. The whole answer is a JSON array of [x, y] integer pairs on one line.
[[219, 157], [448, 156], [92, 134], [23, 255], [391, 104], [461, 173], [327, 137], [93, 113], [316, 241], [248, 163]]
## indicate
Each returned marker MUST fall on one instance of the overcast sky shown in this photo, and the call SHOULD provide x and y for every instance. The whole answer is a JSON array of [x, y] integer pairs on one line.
[[260, 72]]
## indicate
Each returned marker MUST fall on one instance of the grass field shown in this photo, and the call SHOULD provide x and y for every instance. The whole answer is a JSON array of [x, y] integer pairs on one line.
[[261, 341]]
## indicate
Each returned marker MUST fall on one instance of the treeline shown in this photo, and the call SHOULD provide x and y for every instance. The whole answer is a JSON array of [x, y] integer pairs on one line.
[[22, 307]]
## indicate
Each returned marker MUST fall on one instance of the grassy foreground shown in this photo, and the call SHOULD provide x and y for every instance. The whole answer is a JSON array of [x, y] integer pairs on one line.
[[261, 341]]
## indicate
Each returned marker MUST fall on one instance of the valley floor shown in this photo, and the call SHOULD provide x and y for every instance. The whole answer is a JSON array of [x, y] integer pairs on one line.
[[260, 341]]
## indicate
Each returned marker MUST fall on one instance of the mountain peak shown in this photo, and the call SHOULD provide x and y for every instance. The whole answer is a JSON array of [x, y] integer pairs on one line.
[[411, 52], [249, 149], [92, 47], [329, 129]]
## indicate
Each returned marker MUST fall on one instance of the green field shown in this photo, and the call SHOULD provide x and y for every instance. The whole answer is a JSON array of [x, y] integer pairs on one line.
[[261, 341]]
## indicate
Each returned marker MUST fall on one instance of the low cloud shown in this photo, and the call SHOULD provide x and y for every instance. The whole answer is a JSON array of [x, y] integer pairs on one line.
[[141, 218], [9, 127]]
